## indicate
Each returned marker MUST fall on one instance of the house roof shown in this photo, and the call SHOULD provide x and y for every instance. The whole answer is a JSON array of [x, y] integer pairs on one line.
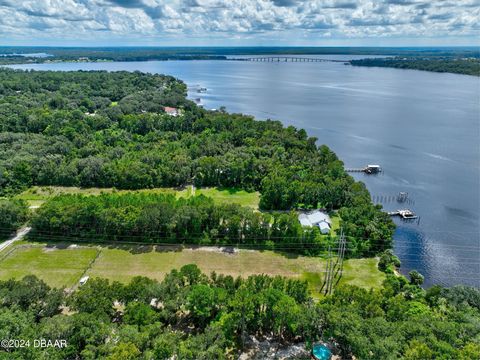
[[169, 109], [318, 216], [304, 220], [314, 218], [324, 225]]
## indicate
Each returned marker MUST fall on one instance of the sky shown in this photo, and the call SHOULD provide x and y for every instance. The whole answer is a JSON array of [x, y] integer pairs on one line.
[[240, 22]]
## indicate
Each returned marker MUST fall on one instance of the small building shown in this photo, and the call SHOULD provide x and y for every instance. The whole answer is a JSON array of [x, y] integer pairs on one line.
[[83, 280], [171, 111], [316, 218]]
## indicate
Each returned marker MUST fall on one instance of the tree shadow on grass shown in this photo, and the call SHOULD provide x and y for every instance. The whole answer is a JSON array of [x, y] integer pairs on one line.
[[143, 248], [232, 190], [168, 248], [288, 255], [131, 248], [58, 246]]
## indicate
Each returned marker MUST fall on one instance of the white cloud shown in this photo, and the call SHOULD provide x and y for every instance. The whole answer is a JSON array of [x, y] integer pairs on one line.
[[87, 20]]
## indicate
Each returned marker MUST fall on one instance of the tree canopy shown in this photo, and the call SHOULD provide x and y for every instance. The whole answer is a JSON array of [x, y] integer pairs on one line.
[[190, 315], [162, 218], [450, 64], [13, 214]]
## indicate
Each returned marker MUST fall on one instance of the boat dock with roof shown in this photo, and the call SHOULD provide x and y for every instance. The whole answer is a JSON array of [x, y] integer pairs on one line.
[[404, 214]]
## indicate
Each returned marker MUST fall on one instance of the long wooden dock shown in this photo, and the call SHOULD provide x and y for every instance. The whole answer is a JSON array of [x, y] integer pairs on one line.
[[369, 169]]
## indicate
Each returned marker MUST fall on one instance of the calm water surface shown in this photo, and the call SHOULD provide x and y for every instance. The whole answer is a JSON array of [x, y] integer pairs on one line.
[[423, 128]]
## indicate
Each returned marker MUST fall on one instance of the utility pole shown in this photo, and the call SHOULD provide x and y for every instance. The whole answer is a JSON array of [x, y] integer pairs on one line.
[[341, 252], [334, 269], [326, 282], [330, 272]]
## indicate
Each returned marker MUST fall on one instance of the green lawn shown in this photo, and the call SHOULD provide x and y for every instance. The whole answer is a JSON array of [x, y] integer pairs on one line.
[[37, 195], [229, 195], [63, 267], [335, 223], [57, 267], [359, 272]]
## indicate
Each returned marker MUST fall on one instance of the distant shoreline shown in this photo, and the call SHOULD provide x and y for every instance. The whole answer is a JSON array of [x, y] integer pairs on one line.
[[445, 64]]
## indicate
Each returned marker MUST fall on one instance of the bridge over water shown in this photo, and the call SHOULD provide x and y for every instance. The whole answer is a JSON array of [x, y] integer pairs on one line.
[[286, 59]]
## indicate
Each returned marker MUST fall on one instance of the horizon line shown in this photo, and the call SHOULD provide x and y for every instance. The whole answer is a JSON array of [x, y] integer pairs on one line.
[[244, 46]]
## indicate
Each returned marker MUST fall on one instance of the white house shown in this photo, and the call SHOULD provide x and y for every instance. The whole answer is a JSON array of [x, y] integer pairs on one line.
[[316, 218]]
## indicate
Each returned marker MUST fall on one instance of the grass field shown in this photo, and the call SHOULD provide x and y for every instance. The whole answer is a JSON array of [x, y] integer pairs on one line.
[[231, 195], [58, 267], [37, 195], [64, 266]]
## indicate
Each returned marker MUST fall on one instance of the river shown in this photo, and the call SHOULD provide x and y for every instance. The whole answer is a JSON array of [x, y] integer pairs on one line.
[[423, 128]]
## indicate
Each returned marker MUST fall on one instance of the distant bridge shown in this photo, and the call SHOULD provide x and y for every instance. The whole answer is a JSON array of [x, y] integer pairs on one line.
[[287, 59]]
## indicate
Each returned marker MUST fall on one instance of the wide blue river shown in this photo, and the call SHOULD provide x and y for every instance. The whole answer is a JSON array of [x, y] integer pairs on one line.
[[423, 128]]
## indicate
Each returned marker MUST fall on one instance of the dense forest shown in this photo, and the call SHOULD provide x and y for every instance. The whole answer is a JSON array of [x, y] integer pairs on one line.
[[158, 218], [100, 129], [193, 316], [470, 66]]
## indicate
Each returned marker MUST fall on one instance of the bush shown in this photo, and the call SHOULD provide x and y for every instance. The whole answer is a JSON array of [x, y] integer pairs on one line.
[[13, 214]]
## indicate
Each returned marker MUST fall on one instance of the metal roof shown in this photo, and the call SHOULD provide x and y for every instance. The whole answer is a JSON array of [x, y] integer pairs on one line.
[[314, 218]]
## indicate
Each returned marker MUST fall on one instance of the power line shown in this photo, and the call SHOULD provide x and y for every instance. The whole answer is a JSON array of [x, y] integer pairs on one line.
[[343, 245], [328, 280], [277, 246], [197, 234], [298, 246], [334, 270], [192, 235]]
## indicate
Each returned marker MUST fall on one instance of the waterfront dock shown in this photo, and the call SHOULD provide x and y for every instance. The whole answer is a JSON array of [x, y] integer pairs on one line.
[[404, 214], [369, 169]]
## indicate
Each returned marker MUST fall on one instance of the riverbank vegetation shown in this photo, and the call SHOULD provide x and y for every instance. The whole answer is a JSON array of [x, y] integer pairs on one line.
[[60, 128], [466, 66], [190, 315]]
